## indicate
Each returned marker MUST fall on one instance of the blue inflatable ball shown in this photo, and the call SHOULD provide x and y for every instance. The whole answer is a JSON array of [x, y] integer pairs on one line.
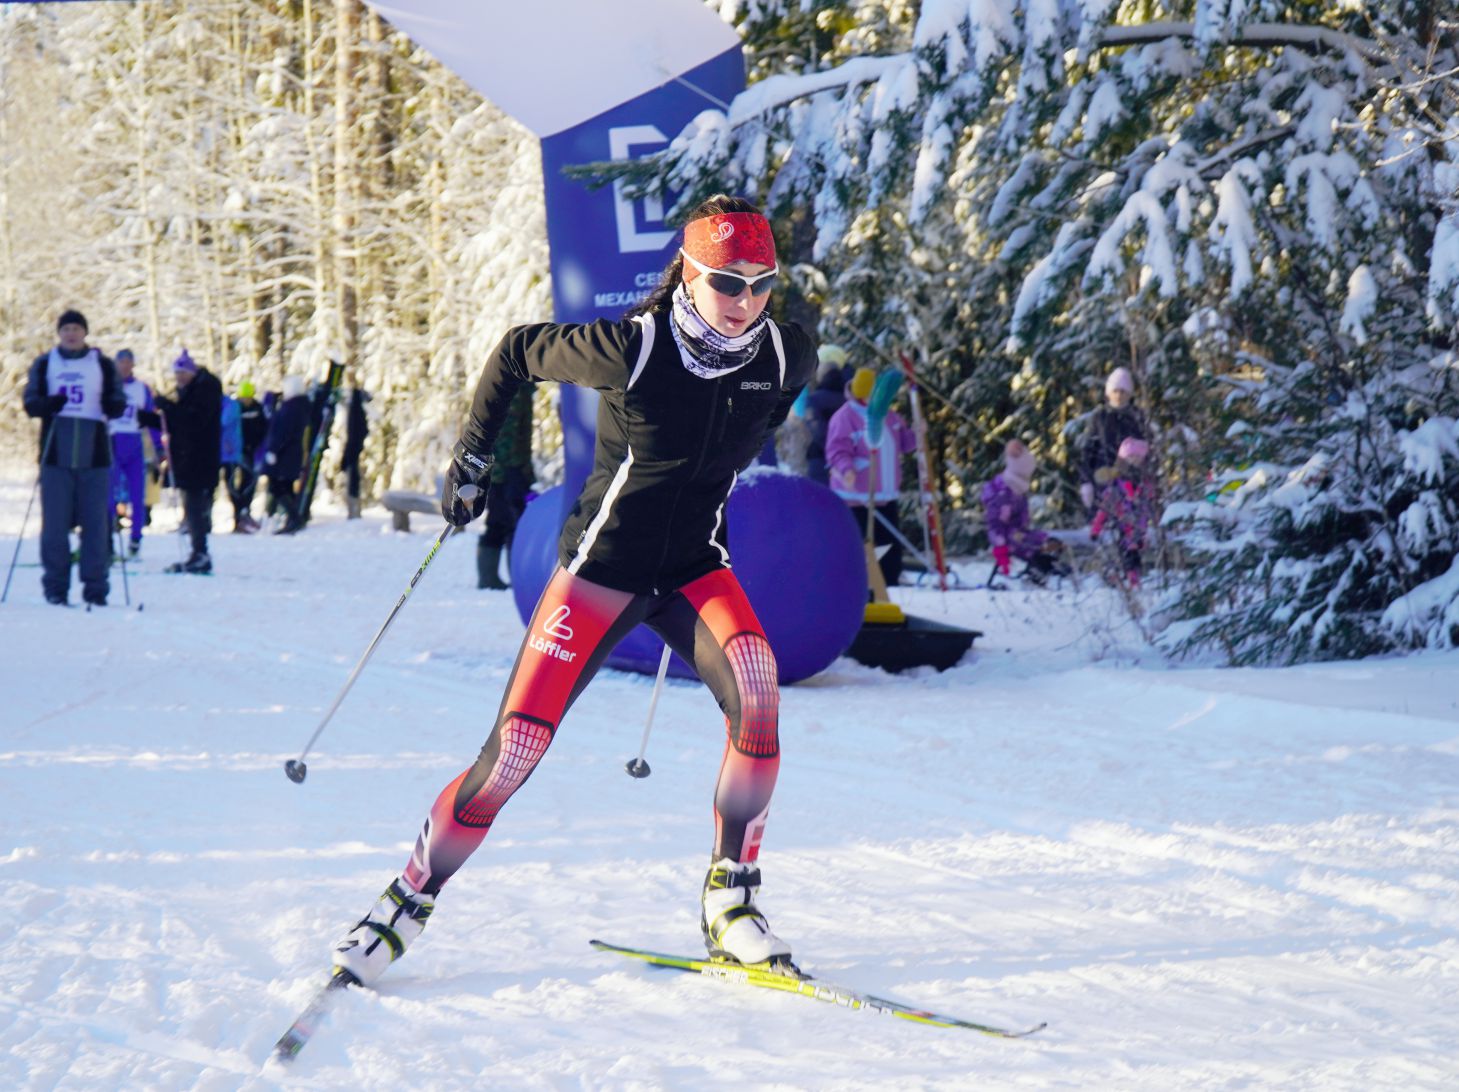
[[533, 553], [800, 558], [795, 549]]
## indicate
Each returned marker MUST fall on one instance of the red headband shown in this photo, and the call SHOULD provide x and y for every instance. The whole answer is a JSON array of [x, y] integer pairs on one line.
[[725, 237]]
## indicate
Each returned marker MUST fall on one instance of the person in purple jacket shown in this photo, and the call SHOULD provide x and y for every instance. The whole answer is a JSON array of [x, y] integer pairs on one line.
[[129, 455], [1005, 506]]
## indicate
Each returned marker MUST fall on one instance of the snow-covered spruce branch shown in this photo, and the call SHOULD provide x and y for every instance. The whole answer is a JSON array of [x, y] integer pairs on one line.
[[1257, 35]]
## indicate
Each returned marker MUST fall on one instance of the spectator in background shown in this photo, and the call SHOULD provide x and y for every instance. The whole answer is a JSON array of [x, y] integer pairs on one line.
[[74, 390], [1109, 426], [356, 428], [242, 482], [825, 397], [230, 450], [1005, 503], [194, 417], [506, 495], [861, 474], [129, 457], [283, 458], [1127, 504]]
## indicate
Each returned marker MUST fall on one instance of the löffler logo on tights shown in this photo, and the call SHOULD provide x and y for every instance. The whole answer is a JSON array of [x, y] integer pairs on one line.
[[555, 626]]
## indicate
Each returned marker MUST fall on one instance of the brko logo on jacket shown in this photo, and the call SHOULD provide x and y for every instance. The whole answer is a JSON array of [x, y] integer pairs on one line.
[[555, 626]]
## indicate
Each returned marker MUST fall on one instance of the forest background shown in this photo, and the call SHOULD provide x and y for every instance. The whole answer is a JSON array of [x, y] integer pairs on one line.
[[1252, 204]]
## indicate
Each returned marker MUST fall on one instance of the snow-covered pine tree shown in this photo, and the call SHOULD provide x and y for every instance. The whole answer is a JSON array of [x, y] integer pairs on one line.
[[1232, 199]]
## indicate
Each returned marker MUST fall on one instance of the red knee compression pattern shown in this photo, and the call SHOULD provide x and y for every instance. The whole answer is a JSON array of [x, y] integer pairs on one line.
[[752, 752], [756, 730], [570, 622], [523, 743]]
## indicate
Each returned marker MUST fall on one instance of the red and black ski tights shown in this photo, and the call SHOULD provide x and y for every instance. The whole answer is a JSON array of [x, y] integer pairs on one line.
[[708, 622]]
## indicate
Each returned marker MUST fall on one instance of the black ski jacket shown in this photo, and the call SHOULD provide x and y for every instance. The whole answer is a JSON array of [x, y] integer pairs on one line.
[[650, 517], [195, 431], [78, 443], [1107, 429], [285, 442]]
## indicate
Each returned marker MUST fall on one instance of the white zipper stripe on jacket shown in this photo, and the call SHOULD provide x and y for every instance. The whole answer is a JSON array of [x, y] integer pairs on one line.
[[646, 323], [605, 509], [719, 521], [779, 350]]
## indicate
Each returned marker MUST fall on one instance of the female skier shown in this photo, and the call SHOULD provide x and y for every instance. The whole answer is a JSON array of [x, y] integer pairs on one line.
[[692, 382]]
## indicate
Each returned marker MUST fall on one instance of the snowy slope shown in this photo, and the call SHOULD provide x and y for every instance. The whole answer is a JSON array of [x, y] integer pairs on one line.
[[1199, 878]]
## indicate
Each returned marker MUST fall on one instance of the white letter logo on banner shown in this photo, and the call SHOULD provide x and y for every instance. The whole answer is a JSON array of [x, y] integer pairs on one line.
[[630, 239]]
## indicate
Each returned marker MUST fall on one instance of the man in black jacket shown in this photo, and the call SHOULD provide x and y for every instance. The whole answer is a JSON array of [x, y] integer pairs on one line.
[[357, 427], [193, 420], [74, 389], [284, 452]]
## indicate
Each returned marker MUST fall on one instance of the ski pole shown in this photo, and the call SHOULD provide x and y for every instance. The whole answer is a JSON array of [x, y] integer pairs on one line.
[[45, 450], [122, 557], [295, 768], [637, 767]]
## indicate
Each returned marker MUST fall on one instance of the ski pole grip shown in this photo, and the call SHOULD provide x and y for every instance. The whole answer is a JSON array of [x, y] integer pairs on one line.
[[468, 492]]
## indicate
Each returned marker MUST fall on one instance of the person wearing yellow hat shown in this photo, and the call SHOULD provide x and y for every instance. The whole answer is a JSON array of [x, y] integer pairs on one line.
[[242, 480]]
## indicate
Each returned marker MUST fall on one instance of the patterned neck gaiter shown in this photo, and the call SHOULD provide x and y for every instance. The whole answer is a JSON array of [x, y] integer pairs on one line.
[[705, 351]]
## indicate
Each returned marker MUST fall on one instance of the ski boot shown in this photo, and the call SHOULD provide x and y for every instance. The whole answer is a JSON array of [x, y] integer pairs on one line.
[[382, 935], [734, 929]]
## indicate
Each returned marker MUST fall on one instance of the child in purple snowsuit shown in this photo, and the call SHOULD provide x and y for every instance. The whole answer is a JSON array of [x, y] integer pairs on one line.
[[1127, 502], [129, 457], [1005, 506]]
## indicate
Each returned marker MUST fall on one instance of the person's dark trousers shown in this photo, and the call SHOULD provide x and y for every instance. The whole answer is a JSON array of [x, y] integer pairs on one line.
[[281, 495], [352, 476], [891, 561], [71, 498], [241, 481], [197, 505]]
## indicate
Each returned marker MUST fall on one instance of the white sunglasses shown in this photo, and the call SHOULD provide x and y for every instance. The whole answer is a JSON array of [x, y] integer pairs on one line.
[[733, 285]]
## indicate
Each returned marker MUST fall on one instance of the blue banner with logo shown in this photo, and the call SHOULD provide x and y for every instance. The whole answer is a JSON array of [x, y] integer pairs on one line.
[[608, 250]]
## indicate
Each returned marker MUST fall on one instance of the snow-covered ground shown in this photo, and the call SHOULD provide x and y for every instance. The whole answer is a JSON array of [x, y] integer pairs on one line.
[[1200, 878]]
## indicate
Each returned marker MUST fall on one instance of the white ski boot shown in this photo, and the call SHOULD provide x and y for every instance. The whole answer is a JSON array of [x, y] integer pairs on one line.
[[733, 928], [381, 937]]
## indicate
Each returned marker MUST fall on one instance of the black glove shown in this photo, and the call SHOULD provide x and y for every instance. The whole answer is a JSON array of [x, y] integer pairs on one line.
[[56, 404], [463, 497]]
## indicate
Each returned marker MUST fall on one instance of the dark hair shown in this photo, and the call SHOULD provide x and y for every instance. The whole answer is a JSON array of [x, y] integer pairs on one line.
[[659, 299]]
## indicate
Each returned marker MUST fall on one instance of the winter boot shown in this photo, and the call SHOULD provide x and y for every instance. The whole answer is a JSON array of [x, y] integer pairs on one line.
[[488, 560], [733, 928], [352, 507], [382, 935], [197, 563]]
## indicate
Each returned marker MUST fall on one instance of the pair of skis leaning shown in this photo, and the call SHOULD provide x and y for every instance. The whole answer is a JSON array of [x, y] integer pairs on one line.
[[786, 979]]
